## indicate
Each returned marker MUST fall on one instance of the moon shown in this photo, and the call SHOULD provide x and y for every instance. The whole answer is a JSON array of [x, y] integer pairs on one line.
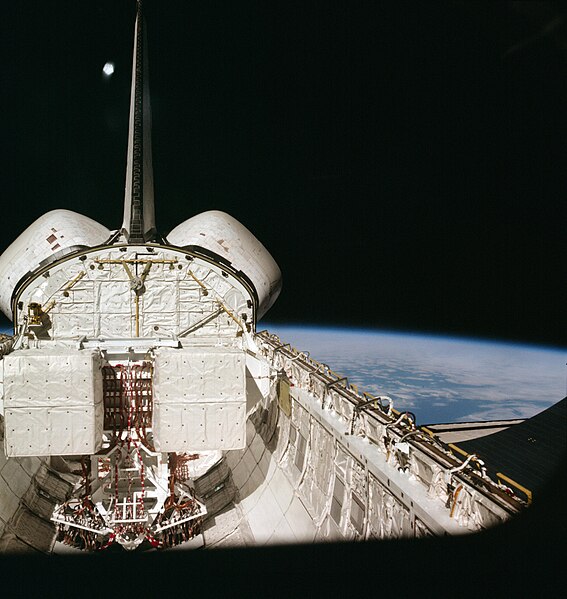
[[108, 69]]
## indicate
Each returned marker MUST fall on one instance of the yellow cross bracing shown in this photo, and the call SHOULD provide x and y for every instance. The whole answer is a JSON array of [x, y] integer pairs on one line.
[[144, 272], [218, 301], [200, 283], [231, 314], [74, 281], [137, 284], [48, 306], [135, 261], [35, 313]]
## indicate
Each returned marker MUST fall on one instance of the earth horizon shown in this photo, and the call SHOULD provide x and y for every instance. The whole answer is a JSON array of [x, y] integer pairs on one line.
[[440, 378]]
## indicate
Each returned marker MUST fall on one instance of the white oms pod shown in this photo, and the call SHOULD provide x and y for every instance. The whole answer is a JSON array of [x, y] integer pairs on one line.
[[51, 236]]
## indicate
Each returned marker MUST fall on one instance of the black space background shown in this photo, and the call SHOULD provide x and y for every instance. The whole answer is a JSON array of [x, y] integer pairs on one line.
[[403, 162]]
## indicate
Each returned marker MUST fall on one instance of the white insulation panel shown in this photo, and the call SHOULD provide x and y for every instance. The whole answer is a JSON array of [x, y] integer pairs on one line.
[[53, 403], [199, 399]]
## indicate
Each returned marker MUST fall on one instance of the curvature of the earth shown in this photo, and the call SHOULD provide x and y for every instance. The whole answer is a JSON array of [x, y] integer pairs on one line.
[[440, 379]]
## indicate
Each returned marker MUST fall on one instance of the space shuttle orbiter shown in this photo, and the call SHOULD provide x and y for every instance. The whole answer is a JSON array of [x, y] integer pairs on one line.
[[136, 373], [103, 322]]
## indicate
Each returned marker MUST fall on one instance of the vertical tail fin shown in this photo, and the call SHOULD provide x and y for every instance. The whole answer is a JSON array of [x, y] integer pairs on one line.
[[139, 214]]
